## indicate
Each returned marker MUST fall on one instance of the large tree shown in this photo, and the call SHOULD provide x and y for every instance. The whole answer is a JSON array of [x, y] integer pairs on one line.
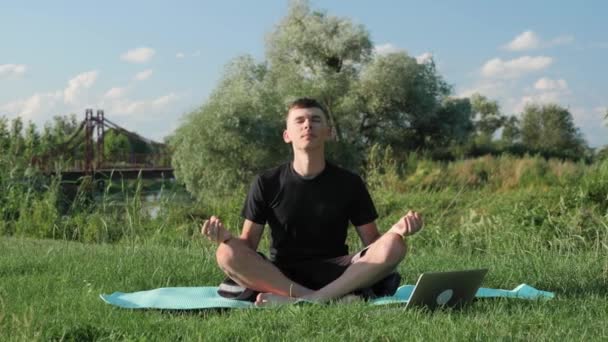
[[550, 129], [387, 99], [235, 133]]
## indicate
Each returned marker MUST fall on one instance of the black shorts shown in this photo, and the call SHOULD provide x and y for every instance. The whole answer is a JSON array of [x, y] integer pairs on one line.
[[316, 274]]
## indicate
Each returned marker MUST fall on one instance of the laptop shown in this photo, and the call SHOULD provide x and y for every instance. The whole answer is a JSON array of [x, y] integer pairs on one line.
[[452, 289]]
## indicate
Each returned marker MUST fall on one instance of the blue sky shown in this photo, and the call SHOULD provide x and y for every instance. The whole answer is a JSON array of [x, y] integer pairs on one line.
[[148, 63]]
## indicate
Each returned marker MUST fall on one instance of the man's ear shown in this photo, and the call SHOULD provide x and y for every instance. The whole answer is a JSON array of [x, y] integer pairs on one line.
[[286, 137]]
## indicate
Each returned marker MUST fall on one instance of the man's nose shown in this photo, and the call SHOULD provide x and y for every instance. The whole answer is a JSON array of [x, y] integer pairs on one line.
[[307, 123]]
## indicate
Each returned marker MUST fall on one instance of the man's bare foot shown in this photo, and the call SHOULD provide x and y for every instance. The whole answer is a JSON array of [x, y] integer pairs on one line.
[[271, 299], [349, 298], [409, 224]]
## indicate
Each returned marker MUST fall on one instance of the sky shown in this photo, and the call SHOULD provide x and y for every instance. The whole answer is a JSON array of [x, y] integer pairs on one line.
[[149, 63]]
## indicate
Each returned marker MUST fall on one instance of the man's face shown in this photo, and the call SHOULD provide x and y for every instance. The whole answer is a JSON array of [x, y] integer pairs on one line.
[[307, 128]]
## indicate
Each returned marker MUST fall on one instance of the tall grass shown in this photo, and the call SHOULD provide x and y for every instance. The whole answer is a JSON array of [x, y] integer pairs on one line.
[[479, 204]]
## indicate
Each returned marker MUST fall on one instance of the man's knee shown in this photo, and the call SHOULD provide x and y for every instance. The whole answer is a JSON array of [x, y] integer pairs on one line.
[[226, 256]]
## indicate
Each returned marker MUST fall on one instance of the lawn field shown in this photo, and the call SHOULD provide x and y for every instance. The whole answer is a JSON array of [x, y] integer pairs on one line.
[[526, 220], [49, 290]]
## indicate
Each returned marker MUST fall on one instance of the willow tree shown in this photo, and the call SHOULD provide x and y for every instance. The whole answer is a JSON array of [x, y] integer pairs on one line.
[[370, 98]]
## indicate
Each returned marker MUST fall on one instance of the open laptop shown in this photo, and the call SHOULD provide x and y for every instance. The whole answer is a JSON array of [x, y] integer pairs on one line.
[[452, 289]]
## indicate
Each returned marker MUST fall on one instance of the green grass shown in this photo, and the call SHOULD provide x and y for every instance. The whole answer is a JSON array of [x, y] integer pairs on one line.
[[50, 291], [542, 223]]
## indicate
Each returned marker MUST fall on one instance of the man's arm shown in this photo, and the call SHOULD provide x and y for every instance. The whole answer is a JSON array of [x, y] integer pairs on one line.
[[368, 233], [252, 233]]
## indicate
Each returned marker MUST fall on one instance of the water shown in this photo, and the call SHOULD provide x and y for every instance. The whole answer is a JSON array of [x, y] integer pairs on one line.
[[151, 197], [151, 200]]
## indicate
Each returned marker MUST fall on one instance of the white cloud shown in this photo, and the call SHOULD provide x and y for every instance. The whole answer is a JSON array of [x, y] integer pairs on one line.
[[138, 55], [529, 40], [514, 68], [41, 106], [549, 84], [181, 54], [424, 58], [545, 91], [77, 84], [489, 88], [144, 75], [561, 40], [126, 107], [115, 92], [539, 98], [164, 100], [8, 70], [149, 117], [525, 41], [36, 108], [385, 49]]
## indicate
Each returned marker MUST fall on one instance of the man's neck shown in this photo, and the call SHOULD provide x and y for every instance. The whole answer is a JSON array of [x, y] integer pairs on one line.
[[309, 164]]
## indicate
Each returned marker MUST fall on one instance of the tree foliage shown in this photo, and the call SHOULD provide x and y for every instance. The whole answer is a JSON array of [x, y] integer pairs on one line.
[[237, 131], [511, 132], [387, 99], [116, 146], [488, 118], [371, 98], [550, 129]]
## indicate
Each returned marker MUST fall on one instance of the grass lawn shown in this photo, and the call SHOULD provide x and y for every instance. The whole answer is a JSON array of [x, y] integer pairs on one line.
[[49, 290]]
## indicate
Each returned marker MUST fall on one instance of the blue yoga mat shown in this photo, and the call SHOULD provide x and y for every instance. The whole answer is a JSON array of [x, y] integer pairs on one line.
[[192, 298]]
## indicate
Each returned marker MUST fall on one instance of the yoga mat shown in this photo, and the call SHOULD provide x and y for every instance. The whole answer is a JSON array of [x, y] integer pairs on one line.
[[194, 298]]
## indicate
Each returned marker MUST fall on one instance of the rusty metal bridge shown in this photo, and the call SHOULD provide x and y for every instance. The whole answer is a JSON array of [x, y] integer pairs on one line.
[[92, 162]]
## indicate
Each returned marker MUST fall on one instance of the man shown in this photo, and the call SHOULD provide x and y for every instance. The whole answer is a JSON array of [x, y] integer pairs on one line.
[[308, 204]]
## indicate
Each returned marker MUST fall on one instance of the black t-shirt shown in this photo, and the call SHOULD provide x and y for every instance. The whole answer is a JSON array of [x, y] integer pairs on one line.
[[308, 218]]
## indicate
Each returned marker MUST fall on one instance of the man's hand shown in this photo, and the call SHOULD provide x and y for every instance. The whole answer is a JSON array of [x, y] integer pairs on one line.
[[408, 224], [214, 230]]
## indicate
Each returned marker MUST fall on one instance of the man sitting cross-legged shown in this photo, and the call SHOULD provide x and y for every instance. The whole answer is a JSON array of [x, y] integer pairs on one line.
[[308, 204]]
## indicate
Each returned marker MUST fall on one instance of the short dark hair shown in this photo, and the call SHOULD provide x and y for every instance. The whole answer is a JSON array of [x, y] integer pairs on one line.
[[306, 102]]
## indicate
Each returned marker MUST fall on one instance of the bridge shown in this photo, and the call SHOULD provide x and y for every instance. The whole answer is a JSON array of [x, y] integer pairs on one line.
[[90, 134]]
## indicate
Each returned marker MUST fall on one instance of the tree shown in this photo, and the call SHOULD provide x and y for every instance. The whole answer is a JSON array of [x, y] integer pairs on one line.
[[550, 129], [116, 146], [395, 102], [16, 137], [4, 135], [389, 99], [32, 140], [455, 124], [511, 132], [488, 118], [235, 133]]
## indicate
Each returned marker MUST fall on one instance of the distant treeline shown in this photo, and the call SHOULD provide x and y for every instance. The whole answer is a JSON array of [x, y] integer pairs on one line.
[[60, 143]]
